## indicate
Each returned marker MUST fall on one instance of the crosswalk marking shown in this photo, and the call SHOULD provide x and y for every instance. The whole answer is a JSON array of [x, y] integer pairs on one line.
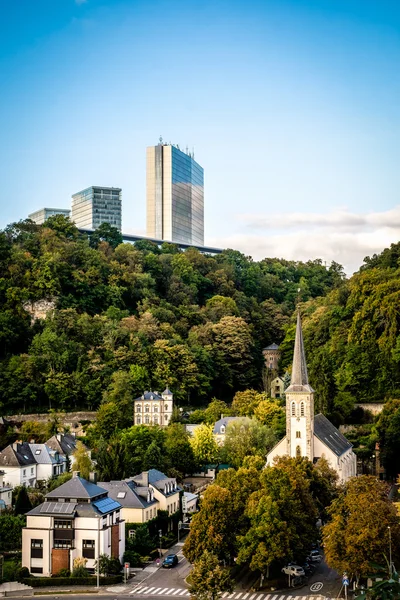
[[162, 591], [238, 596], [253, 596], [182, 592], [281, 598], [225, 595], [245, 596], [260, 596], [176, 592], [179, 592], [137, 591], [274, 597], [150, 590]]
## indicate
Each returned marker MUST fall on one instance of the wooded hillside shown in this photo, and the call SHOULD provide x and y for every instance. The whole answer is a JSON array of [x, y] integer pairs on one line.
[[156, 316]]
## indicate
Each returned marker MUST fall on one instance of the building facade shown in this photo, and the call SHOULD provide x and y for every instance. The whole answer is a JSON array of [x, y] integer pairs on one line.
[[78, 519], [272, 356], [19, 465], [277, 387], [153, 408], [41, 215], [175, 196], [308, 435], [97, 205]]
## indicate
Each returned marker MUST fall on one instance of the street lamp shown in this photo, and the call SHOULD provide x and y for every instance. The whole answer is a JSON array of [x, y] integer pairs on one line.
[[390, 552]]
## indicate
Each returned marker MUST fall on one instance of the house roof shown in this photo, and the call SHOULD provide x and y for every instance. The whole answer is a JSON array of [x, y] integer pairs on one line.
[[189, 496], [62, 443], [330, 436], [44, 455], [223, 422], [299, 379], [125, 493], [17, 455], [157, 479], [272, 347], [78, 488], [150, 396], [167, 392]]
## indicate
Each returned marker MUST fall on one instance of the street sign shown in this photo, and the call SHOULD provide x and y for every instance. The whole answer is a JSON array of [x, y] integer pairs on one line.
[[316, 587], [127, 565], [345, 581]]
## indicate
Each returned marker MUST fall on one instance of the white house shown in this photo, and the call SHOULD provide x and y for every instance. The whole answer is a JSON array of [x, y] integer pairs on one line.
[[19, 465], [307, 435], [49, 462], [220, 428], [277, 387], [153, 408], [78, 519]]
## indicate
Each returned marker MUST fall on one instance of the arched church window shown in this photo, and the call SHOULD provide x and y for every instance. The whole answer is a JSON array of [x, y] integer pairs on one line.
[[302, 409], [298, 452], [293, 409]]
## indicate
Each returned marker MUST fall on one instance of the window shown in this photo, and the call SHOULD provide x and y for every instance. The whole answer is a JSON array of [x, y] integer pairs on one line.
[[222, 429], [155, 408], [31, 470], [24, 472], [298, 451], [155, 420], [62, 543], [293, 409], [138, 420], [302, 409], [121, 494], [131, 533], [166, 407], [88, 548], [36, 543], [61, 524], [166, 418], [37, 451], [298, 434], [151, 513], [147, 420], [138, 408], [147, 515], [147, 408]]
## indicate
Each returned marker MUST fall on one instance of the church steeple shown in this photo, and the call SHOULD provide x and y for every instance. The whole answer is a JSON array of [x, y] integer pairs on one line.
[[299, 378]]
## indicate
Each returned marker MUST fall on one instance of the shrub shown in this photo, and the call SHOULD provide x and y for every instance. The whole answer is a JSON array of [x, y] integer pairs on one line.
[[133, 558], [64, 573], [22, 573], [55, 581]]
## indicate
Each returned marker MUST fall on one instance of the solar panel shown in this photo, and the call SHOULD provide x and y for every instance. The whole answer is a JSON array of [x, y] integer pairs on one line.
[[106, 505], [65, 508]]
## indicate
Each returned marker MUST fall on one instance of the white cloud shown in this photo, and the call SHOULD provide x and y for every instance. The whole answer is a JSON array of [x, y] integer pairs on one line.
[[340, 219], [340, 236]]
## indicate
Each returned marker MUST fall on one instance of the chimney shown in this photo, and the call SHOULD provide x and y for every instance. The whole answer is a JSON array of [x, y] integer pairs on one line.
[[93, 476], [76, 473], [58, 436], [145, 478]]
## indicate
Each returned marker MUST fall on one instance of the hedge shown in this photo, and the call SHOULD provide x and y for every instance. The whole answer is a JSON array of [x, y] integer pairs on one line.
[[55, 581]]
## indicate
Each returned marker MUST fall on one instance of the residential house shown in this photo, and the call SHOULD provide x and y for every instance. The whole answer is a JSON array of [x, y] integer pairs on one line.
[[220, 427], [189, 503], [277, 387], [77, 519], [64, 444], [49, 462], [153, 408], [19, 465], [145, 494]]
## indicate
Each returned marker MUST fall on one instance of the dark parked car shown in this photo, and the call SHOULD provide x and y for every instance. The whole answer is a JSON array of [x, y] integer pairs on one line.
[[170, 561], [308, 568]]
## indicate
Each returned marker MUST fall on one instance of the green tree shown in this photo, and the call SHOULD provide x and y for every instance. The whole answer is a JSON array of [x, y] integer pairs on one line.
[[204, 446], [244, 403], [106, 233], [22, 502], [208, 580], [245, 437], [11, 531], [82, 461], [215, 410], [357, 534], [179, 452]]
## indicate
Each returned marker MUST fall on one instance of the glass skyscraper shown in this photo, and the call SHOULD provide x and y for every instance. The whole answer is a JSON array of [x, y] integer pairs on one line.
[[97, 205], [175, 196]]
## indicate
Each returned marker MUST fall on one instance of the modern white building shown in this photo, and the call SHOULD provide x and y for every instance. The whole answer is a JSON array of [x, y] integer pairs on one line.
[[41, 215], [5, 494], [78, 519], [153, 408], [306, 434]]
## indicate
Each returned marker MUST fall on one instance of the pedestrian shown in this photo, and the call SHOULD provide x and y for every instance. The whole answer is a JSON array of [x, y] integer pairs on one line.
[[158, 562]]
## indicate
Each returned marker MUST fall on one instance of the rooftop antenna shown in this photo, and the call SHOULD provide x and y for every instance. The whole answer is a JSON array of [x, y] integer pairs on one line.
[[187, 149], [192, 151]]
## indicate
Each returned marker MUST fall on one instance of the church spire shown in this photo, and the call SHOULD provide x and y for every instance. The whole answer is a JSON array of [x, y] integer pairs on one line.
[[299, 379]]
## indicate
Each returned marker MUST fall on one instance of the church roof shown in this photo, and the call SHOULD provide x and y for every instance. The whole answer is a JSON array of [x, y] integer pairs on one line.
[[272, 347], [299, 378], [330, 436]]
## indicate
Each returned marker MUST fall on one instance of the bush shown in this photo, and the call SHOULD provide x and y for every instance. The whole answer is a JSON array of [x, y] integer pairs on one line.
[[64, 573], [133, 558], [54, 581], [79, 572], [22, 573]]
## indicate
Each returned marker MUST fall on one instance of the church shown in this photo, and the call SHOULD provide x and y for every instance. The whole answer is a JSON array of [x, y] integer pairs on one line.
[[306, 434]]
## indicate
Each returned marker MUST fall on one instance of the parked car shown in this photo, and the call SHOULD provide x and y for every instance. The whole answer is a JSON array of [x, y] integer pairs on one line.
[[170, 561], [308, 568], [293, 571], [315, 556]]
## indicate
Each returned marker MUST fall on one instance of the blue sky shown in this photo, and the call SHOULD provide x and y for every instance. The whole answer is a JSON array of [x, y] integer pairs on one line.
[[292, 108]]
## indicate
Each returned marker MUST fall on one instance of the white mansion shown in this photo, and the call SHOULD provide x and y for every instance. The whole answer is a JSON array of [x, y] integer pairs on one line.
[[153, 408], [306, 434]]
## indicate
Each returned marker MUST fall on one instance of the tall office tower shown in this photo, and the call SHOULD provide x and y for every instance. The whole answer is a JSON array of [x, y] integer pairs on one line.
[[97, 205], [41, 215], [175, 195]]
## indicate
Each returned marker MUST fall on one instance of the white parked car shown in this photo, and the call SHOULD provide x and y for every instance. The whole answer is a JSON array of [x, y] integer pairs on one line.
[[315, 556], [294, 571]]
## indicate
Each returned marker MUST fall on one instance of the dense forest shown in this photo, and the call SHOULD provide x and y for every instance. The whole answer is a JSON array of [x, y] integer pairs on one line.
[[131, 317]]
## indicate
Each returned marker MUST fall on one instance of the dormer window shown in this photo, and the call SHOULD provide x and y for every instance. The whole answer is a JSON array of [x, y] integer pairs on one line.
[[148, 496], [151, 398], [222, 429]]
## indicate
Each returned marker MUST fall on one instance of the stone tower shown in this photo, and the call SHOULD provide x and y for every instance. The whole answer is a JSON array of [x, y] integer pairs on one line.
[[272, 355], [299, 404]]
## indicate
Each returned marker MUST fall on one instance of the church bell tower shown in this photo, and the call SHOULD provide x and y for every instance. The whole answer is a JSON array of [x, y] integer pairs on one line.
[[299, 404]]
